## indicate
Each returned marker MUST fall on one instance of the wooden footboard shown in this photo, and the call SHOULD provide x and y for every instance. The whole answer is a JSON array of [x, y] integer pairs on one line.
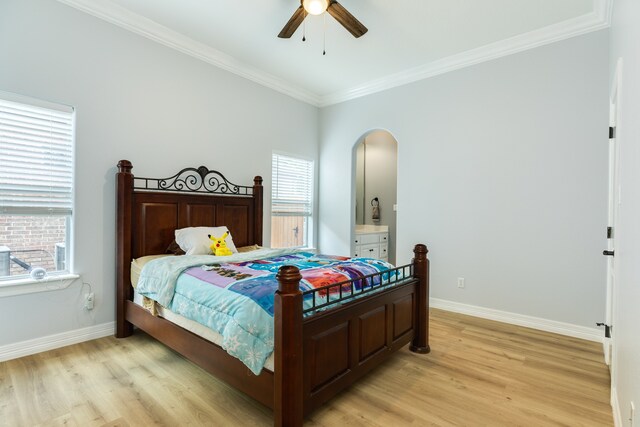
[[318, 356]]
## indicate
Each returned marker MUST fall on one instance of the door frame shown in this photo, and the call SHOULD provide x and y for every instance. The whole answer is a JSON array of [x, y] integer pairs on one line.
[[353, 215], [613, 204]]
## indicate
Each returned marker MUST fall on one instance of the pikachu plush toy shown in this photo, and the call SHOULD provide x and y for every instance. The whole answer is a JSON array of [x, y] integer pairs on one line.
[[219, 246]]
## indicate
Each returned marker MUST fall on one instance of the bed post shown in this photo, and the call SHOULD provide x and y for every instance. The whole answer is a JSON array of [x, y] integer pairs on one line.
[[420, 343], [287, 399], [257, 206], [124, 188]]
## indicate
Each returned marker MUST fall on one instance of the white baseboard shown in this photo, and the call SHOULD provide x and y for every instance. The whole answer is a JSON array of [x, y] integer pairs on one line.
[[38, 345], [576, 331], [615, 407], [607, 348]]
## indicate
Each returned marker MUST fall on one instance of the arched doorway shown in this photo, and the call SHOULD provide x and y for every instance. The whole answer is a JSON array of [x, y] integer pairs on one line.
[[375, 172]]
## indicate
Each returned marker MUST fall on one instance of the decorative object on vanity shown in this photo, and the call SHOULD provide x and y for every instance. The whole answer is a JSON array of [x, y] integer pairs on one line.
[[317, 353], [375, 209]]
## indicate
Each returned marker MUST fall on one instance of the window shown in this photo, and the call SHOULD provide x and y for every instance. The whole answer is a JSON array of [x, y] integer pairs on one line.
[[36, 188], [291, 201]]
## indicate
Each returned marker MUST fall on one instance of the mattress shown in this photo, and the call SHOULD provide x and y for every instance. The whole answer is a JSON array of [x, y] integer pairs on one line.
[[193, 327]]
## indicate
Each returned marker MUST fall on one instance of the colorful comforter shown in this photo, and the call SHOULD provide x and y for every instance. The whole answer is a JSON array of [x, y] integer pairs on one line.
[[235, 298]]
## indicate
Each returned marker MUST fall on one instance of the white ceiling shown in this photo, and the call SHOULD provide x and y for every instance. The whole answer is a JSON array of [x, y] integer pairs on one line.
[[407, 39]]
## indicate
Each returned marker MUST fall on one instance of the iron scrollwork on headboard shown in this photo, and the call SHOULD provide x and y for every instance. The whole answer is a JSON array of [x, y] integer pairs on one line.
[[195, 180]]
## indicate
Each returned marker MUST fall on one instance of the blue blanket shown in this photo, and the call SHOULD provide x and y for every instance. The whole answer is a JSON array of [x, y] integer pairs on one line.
[[235, 297]]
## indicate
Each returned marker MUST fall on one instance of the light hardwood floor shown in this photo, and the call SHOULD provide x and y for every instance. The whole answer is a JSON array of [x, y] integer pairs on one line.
[[479, 373]]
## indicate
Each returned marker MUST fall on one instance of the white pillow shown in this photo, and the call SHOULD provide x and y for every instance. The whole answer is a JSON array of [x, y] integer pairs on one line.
[[195, 240]]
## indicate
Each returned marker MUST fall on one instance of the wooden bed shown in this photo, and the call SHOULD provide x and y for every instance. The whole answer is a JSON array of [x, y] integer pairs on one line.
[[316, 355]]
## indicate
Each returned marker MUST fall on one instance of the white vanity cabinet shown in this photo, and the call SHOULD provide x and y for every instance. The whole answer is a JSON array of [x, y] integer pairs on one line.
[[371, 241]]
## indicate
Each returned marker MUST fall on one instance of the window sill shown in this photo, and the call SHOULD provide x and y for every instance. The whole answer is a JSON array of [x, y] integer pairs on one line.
[[30, 286]]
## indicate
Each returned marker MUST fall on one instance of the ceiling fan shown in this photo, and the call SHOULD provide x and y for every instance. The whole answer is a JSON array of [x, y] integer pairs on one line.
[[317, 7]]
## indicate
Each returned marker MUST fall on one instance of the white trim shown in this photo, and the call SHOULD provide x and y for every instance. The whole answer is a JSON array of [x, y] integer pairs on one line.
[[41, 103], [615, 408], [145, 27], [607, 349], [30, 286], [598, 19], [51, 342], [604, 9], [576, 331]]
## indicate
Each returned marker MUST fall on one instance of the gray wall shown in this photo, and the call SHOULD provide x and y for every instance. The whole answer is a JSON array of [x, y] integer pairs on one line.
[[140, 101], [625, 34], [502, 172]]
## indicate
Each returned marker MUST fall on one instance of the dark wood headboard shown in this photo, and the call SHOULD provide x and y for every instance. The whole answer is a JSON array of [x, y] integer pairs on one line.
[[149, 210]]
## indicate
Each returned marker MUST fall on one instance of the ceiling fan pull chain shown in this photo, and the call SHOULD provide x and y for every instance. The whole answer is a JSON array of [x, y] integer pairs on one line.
[[304, 27], [324, 34]]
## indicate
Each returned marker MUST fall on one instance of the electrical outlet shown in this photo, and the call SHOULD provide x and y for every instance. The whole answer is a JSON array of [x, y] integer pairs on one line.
[[89, 300], [632, 410], [461, 282]]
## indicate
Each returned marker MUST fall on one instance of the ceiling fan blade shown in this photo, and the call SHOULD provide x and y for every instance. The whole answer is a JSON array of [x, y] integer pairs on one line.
[[347, 20], [293, 24]]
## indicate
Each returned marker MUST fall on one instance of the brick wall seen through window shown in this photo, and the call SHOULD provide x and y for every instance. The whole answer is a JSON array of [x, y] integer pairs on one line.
[[36, 241]]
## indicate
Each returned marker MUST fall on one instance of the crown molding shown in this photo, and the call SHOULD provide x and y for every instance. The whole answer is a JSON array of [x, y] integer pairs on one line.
[[598, 19], [145, 27], [604, 9]]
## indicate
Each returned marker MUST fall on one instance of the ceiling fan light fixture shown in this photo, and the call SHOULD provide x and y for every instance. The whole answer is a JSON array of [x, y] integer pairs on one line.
[[315, 7]]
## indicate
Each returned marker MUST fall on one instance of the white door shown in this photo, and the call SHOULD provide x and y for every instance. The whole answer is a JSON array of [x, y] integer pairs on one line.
[[614, 201]]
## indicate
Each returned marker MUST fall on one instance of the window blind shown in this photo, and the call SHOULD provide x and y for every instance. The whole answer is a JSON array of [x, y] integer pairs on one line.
[[292, 188], [36, 159]]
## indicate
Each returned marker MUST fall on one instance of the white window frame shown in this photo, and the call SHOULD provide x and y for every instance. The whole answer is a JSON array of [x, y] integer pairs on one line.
[[53, 280], [311, 191]]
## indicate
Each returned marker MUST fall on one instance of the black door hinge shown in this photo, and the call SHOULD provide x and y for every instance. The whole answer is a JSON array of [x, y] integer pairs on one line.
[[609, 232], [607, 329], [612, 132]]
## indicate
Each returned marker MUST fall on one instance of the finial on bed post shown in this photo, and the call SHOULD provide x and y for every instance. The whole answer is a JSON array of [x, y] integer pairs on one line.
[[420, 343], [124, 190], [124, 166], [288, 388], [257, 197]]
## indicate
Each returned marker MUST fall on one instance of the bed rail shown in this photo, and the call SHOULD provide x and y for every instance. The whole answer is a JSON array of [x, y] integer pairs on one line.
[[348, 290]]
